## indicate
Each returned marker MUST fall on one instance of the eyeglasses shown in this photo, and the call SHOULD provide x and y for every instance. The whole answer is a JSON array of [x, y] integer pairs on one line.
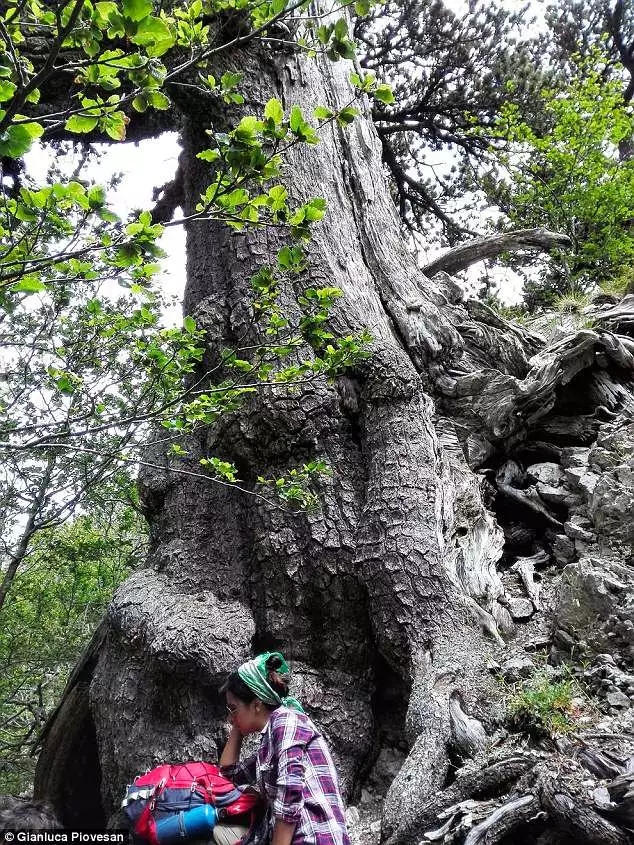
[[231, 709]]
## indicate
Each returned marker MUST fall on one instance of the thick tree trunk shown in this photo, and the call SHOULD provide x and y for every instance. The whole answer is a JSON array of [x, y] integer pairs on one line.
[[388, 601], [364, 596]]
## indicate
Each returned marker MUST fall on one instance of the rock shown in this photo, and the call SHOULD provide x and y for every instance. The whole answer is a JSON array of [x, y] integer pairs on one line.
[[611, 506], [587, 483], [595, 596], [547, 473], [617, 699], [578, 532], [352, 816], [517, 669], [613, 445], [520, 608], [558, 496], [603, 659], [574, 456], [601, 798], [564, 639], [537, 644], [573, 476], [563, 549]]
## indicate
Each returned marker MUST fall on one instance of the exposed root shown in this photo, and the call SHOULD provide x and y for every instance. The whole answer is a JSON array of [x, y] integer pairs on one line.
[[528, 793], [468, 734], [525, 568], [505, 819], [571, 814]]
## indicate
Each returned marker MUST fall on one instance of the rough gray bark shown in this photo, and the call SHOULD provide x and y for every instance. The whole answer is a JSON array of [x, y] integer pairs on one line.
[[369, 588], [390, 601]]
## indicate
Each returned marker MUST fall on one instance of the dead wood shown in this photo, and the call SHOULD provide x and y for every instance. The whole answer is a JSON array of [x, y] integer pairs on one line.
[[461, 257]]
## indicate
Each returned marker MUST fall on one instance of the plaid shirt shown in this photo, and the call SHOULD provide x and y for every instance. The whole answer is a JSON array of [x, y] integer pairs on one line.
[[294, 772]]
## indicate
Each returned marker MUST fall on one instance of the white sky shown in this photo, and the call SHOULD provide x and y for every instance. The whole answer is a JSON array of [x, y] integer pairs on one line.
[[144, 166]]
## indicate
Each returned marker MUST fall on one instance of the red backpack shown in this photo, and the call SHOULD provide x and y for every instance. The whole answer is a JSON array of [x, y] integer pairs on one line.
[[171, 789]]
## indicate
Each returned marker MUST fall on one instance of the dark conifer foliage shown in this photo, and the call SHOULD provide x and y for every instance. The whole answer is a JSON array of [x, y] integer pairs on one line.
[[449, 73]]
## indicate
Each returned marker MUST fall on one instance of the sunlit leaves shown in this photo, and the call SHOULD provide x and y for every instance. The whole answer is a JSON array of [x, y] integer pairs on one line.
[[50, 614], [17, 139], [111, 360], [571, 179]]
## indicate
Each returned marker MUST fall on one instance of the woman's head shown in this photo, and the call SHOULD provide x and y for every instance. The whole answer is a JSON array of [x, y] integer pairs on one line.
[[255, 689]]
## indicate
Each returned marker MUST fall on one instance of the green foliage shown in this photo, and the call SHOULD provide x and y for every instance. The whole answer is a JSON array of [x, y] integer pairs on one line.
[[55, 603], [294, 487], [571, 302], [570, 179], [543, 707], [88, 365]]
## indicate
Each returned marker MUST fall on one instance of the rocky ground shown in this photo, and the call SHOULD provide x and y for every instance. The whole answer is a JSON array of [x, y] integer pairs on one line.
[[562, 616]]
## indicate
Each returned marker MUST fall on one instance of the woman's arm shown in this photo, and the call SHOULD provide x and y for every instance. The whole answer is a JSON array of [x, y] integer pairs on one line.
[[231, 752], [230, 765], [283, 832]]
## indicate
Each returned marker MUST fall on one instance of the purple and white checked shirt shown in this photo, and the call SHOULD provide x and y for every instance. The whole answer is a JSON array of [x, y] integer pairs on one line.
[[294, 772]]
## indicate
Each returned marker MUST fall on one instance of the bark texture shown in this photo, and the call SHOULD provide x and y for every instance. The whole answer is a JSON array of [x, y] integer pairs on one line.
[[395, 600]]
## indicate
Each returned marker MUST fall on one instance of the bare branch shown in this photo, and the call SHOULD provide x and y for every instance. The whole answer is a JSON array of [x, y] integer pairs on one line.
[[461, 257]]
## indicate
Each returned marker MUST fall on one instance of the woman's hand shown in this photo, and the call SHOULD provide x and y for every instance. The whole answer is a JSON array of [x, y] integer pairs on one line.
[[231, 751]]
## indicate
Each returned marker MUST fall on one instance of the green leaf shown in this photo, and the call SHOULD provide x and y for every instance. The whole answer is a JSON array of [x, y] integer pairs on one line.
[[297, 119], [96, 196], [136, 10], [155, 35], [274, 111], [114, 125], [18, 138], [384, 94], [345, 49], [208, 155], [315, 209], [7, 90], [278, 196], [323, 113], [248, 127], [341, 29], [158, 100], [140, 103], [80, 123], [29, 284], [347, 115]]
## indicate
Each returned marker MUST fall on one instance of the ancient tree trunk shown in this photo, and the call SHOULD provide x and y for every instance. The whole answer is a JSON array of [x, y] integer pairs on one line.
[[364, 596], [388, 600]]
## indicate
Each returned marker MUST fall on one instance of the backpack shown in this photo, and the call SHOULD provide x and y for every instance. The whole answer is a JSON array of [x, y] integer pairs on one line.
[[169, 790]]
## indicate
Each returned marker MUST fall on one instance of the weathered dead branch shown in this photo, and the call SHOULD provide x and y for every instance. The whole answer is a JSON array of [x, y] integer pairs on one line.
[[464, 256]]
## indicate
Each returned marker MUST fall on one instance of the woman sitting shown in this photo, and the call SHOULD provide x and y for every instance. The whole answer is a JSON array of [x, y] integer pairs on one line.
[[292, 769]]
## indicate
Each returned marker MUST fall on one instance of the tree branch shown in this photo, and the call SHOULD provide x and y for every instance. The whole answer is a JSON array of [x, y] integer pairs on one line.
[[470, 253]]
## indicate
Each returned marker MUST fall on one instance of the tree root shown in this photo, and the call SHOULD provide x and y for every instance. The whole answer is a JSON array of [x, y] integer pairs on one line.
[[576, 817], [472, 781], [522, 794], [505, 819]]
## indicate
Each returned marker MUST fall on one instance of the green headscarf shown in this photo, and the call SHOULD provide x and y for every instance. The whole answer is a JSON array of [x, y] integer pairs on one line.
[[253, 673]]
